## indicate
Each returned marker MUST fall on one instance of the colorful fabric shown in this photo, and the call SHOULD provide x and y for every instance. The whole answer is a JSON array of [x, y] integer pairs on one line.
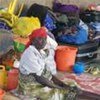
[[79, 37], [63, 8], [41, 32], [86, 82], [25, 25], [38, 33], [29, 87], [63, 18], [10, 19], [49, 22], [3, 25]]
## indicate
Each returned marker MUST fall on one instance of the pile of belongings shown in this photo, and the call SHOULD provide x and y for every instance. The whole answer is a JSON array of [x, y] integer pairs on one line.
[[85, 35], [21, 27], [64, 24]]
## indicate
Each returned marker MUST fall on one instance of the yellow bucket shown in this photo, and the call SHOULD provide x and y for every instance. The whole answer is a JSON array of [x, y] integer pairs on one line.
[[3, 77]]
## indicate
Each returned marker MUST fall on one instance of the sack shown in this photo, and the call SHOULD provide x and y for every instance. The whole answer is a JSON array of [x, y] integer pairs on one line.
[[79, 37], [25, 25], [45, 15], [72, 12]]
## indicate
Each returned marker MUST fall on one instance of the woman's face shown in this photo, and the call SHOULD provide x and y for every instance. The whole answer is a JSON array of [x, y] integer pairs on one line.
[[39, 42]]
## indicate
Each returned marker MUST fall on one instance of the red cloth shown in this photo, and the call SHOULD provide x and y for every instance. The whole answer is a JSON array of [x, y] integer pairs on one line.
[[41, 32]]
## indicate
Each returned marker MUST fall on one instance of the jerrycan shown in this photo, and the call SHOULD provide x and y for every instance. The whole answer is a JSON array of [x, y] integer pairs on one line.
[[3, 77]]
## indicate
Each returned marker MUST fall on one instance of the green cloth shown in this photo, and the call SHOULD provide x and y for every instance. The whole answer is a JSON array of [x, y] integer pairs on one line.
[[19, 47]]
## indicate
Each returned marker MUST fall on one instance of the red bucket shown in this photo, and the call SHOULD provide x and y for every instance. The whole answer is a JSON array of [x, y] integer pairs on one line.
[[2, 93], [12, 79]]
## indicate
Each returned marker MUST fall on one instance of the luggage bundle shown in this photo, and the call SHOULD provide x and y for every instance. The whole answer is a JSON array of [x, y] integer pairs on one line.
[[90, 16], [87, 52], [67, 27], [71, 11], [81, 37], [44, 14]]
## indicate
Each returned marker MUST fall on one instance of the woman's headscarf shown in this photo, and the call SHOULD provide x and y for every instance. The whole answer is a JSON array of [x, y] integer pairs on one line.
[[38, 33]]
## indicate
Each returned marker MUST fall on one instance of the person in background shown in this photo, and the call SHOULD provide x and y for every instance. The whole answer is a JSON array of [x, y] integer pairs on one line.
[[38, 70], [7, 53]]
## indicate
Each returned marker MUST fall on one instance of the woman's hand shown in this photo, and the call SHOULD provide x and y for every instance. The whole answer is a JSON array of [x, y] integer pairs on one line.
[[74, 89], [60, 83]]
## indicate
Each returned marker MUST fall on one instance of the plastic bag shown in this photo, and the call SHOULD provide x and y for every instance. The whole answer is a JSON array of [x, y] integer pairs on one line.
[[25, 25]]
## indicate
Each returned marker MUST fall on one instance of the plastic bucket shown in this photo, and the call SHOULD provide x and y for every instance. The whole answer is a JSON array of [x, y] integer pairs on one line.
[[65, 57], [3, 76], [12, 79], [2, 93]]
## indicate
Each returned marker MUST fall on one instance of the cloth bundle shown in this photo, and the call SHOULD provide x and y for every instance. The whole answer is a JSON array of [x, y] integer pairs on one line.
[[25, 25], [71, 11], [79, 37], [67, 9], [44, 14]]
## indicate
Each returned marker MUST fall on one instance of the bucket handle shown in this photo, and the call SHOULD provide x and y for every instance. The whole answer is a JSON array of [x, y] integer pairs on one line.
[[2, 67]]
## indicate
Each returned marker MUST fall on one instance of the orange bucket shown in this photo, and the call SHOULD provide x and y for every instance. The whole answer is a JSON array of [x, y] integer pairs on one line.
[[65, 57], [12, 79], [2, 93]]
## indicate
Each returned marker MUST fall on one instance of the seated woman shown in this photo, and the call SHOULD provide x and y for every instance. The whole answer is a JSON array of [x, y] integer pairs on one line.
[[38, 70]]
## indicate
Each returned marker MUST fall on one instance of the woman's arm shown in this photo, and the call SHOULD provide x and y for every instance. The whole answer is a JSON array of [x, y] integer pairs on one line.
[[65, 86], [59, 82], [45, 82]]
